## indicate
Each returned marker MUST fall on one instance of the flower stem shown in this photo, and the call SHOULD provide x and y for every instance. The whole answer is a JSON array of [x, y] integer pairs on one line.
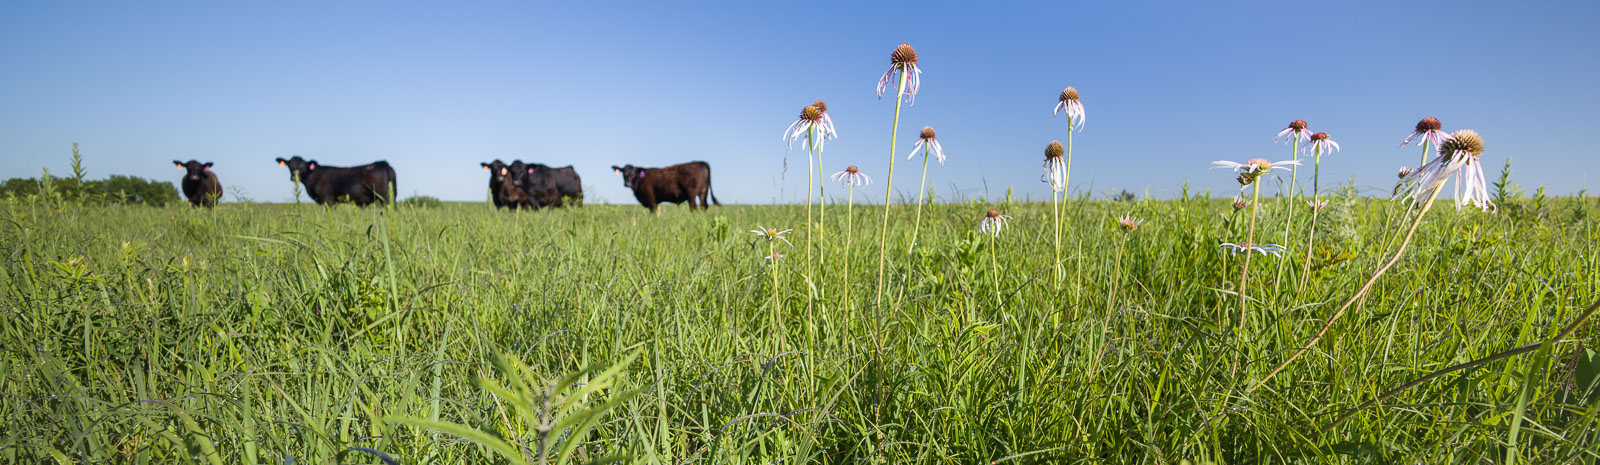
[[888, 190], [1311, 233], [1066, 181], [811, 146], [921, 189], [849, 234], [994, 270], [1244, 273], [1288, 223]]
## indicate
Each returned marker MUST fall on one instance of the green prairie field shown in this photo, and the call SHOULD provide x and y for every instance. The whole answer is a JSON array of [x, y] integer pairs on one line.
[[454, 333]]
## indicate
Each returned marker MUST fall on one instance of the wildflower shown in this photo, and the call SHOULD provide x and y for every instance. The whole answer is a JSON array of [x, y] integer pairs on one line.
[[1431, 131], [993, 222], [1295, 131], [1320, 141], [1055, 167], [852, 177], [1458, 156], [1074, 108], [1128, 223], [811, 117], [1240, 204], [773, 256], [1269, 249], [1252, 169], [928, 140], [1403, 172], [773, 234], [1317, 205], [903, 60]]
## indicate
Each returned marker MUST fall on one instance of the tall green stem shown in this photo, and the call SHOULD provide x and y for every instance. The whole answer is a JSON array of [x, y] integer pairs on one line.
[[888, 191], [1066, 181], [811, 174], [849, 234], [922, 188], [1244, 272], [822, 209], [1311, 233], [1294, 194]]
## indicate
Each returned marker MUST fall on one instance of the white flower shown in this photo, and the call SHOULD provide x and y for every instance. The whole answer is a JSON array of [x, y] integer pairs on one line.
[[1269, 249], [773, 234], [1069, 102], [773, 256], [928, 140], [1254, 166], [1317, 205], [1458, 157], [1295, 131], [852, 177], [1431, 130], [811, 117], [1055, 166], [1321, 143], [904, 61], [993, 222]]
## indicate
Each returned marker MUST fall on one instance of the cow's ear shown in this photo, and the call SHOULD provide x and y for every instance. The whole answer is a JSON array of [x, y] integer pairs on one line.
[[179, 163], [282, 163], [485, 166], [207, 165], [615, 169]]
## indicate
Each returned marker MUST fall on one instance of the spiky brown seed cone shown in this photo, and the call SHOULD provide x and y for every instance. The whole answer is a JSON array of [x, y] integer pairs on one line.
[[852, 170], [992, 213], [927, 132], [903, 54], [1319, 136], [1429, 124], [1069, 94], [1054, 150], [821, 106], [1298, 125], [811, 113], [1465, 140]]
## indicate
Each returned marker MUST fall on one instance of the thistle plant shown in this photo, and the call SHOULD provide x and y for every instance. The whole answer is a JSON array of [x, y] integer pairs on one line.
[[927, 144], [902, 69], [1458, 156]]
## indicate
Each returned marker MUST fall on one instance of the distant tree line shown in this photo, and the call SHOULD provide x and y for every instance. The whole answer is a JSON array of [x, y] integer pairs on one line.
[[116, 189]]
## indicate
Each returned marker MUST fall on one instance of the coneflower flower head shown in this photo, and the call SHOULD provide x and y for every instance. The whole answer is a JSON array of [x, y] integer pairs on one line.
[[1295, 131], [1431, 131], [1240, 204], [772, 234], [1317, 205], [1128, 223], [1247, 247], [1069, 102], [1252, 169], [1458, 156], [993, 222], [813, 116], [931, 142], [903, 60], [1055, 166], [852, 177], [1403, 172], [1320, 141]]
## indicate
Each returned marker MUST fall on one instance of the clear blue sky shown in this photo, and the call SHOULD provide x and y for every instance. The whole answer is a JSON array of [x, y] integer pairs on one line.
[[436, 88]]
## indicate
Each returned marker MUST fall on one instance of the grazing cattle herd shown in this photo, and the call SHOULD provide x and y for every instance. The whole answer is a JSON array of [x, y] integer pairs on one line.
[[516, 185]]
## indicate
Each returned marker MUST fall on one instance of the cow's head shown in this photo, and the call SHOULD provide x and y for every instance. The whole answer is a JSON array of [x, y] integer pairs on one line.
[[629, 174], [300, 166], [194, 170], [496, 169], [516, 173]]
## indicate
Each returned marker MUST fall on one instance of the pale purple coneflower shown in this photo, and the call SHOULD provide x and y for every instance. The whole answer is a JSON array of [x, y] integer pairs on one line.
[[1317, 205], [1252, 168], [1269, 249], [1458, 156], [1055, 166], [1240, 204], [1069, 102], [811, 117], [1320, 141], [928, 139], [773, 256], [993, 222], [773, 234], [1430, 130], [904, 61], [1128, 223], [1403, 172], [852, 177], [1295, 131]]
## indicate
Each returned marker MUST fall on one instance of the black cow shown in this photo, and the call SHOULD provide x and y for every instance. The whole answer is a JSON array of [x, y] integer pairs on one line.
[[200, 185], [546, 186], [673, 184], [364, 184], [497, 174]]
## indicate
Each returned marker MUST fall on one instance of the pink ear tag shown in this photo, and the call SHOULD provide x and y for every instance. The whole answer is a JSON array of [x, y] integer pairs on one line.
[[641, 174]]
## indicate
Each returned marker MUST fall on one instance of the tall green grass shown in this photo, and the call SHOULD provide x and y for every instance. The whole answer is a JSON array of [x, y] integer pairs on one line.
[[457, 334]]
